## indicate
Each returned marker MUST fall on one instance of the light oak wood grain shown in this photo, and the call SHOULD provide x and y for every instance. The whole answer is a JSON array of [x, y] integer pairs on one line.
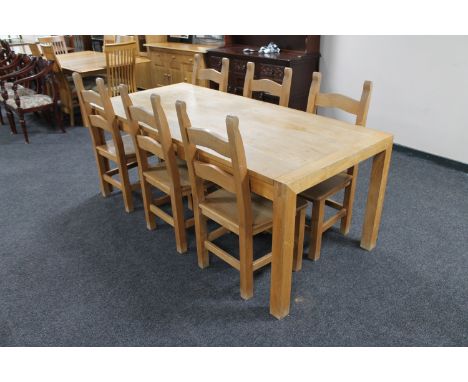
[[281, 91], [287, 151], [99, 117], [319, 194], [151, 136], [221, 78], [88, 62], [232, 206]]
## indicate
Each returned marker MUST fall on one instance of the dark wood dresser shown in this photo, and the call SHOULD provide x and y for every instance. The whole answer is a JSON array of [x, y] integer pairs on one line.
[[300, 53]]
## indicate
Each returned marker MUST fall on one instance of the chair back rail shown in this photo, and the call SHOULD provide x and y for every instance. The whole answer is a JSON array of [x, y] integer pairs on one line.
[[236, 182], [151, 134], [58, 43], [221, 78], [120, 64], [269, 86], [359, 108]]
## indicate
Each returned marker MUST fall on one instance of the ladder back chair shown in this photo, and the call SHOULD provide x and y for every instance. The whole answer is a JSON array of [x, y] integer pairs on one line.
[[200, 74], [35, 51], [99, 117], [58, 43], [319, 194], [232, 206], [151, 135], [68, 101], [268, 86], [120, 64]]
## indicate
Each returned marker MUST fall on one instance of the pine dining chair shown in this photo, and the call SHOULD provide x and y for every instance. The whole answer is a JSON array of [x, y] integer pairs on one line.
[[268, 86], [120, 66], [151, 136], [35, 51], [99, 117], [199, 74], [68, 100], [319, 195], [58, 43], [232, 206]]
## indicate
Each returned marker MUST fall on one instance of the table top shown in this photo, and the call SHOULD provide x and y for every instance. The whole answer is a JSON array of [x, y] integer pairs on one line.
[[87, 61], [285, 145]]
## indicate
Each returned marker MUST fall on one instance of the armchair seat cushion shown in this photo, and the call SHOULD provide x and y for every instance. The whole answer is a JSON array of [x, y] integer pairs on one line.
[[30, 101], [21, 90]]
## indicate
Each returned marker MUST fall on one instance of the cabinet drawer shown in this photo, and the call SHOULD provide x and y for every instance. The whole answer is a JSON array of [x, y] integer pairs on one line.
[[176, 61], [273, 72], [157, 58]]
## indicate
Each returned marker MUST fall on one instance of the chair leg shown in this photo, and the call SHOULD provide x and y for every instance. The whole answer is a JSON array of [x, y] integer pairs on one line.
[[201, 234], [246, 264], [348, 201], [59, 118], [190, 202], [126, 187], [72, 117], [146, 194], [11, 121], [179, 222], [299, 239], [103, 167], [23, 127], [316, 225]]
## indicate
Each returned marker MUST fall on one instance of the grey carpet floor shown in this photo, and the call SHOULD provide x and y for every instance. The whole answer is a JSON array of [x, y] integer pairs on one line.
[[76, 270]]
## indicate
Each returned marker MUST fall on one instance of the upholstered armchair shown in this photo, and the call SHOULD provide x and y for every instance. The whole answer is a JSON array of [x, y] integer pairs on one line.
[[44, 99]]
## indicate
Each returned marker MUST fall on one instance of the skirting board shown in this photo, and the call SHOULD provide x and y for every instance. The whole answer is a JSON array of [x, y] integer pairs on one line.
[[450, 163]]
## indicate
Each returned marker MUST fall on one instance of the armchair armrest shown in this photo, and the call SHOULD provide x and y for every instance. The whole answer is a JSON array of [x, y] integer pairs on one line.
[[18, 73]]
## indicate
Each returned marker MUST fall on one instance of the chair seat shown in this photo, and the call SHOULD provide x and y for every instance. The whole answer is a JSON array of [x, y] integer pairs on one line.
[[328, 187], [127, 141], [159, 177], [221, 206], [30, 101], [21, 90]]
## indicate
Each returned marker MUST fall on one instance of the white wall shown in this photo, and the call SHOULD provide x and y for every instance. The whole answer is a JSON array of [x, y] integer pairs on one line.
[[420, 89]]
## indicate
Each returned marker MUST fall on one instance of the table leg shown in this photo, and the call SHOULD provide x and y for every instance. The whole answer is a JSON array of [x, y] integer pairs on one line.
[[375, 198], [284, 215]]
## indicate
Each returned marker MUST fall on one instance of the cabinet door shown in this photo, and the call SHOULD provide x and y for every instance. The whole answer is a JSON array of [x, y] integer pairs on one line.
[[143, 75], [160, 76], [175, 76], [187, 70]]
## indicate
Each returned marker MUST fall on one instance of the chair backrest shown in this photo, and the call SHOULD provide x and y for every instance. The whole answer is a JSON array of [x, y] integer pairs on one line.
[[57, 42], [45, 81], [339, 101], [151, 134], [120, 63], [109, 39], [221, 78], [63, 84], [269, 86], [98, 114], [34, 50], [123, 38], [6, 46], [49, 54], [234, 180]]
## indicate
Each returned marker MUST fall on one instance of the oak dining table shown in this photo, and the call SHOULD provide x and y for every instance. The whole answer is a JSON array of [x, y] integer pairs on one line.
[[87, 62], [287, 152]]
